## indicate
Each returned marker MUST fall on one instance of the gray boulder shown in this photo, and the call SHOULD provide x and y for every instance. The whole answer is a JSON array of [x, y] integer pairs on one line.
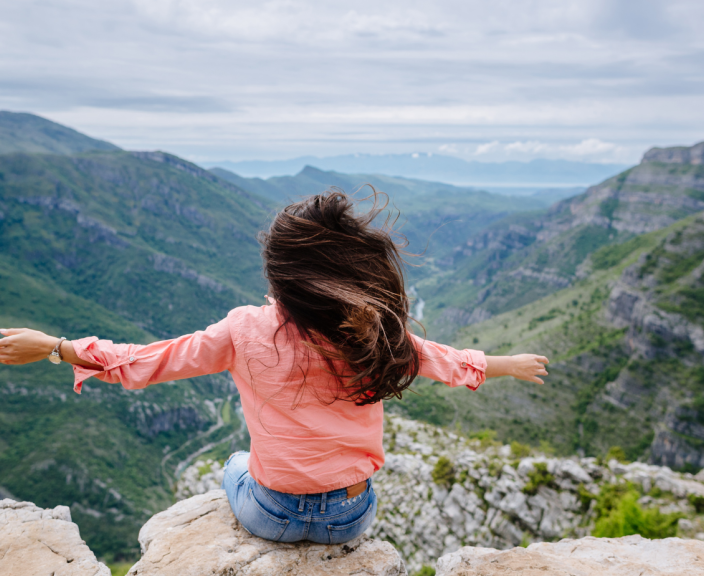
[[628, 556], [43, 542]]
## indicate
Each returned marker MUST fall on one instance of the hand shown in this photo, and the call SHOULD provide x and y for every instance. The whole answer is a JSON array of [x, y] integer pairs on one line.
[[22, 345], [528, 366]]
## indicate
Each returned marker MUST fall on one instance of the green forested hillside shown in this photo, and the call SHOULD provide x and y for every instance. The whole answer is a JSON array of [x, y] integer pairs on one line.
[[517, 260], [626, 344], [143, 246], [152, 238], [131, 247]]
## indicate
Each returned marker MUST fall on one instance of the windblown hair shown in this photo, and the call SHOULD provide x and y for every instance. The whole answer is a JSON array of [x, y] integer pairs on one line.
[[339, 280]]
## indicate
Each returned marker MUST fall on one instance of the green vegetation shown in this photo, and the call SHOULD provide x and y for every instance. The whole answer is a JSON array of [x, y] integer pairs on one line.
[[585, 497], [612, 255], [444, 472], [546, 448], [616, 453], [698, 503], [426, 571], [423, 401], [619, 514], [552, 313], [120, 569], [608, 207], [538, 477], [486, 438], [519, 450]]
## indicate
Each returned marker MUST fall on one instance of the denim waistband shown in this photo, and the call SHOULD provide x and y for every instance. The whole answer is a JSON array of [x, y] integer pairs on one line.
[[297, 499]]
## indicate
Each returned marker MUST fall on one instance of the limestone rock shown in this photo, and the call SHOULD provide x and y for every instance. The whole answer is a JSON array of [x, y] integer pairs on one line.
[[628, 556], [201, 536], [43, 542], [486, 504]]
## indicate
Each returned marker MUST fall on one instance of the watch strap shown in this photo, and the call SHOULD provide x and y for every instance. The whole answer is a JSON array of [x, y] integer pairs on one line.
[[57, 349]]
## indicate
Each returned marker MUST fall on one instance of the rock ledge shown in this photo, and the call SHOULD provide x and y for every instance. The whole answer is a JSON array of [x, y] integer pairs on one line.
[[42, 541], [628, 556], [201, 536]]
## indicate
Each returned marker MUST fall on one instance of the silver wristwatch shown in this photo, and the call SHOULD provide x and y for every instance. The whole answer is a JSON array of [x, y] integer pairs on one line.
[[55, 357]]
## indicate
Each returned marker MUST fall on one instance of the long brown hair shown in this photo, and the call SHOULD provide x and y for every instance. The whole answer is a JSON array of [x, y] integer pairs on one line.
[[339, 280]]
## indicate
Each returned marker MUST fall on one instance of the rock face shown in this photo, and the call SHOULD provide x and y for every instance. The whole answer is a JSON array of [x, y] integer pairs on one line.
[[676, 155], [201, 536], [35, 541], [629, 556], [485, 499], [199, 478]]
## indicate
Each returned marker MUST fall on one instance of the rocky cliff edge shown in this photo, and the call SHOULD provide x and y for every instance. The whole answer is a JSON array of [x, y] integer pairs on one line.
[[35, 541], [200, 536]]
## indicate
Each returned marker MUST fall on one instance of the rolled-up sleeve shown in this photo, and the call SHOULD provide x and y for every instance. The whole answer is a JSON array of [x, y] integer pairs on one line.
[[138, 366], [449, 365]]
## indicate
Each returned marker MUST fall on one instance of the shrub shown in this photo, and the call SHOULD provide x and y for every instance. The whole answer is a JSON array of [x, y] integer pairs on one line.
[[537, 478], [444, 472], [616, 453], [464, 474], [426, 571], [486, 438], [520, 450], [697, 501], [585, 497], [609, 497], [627, 517], [546, 448]]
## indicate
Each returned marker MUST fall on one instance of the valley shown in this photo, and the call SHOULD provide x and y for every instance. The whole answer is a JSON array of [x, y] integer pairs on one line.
[[140, 246]]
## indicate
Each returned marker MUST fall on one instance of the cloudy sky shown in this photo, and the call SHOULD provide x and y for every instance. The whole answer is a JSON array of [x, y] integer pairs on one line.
[[596, 80]]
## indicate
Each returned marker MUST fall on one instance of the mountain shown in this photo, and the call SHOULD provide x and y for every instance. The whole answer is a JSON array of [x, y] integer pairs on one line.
[[138, 246], [435, 217], [21, 132], [525, 257], [626, 344], [409, 191], [133, 247], [437, 167]]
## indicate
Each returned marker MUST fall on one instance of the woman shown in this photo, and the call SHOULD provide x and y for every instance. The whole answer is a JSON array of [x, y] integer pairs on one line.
[[312, 368]]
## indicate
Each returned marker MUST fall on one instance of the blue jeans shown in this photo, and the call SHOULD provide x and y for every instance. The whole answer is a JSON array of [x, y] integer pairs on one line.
[[328, 518]]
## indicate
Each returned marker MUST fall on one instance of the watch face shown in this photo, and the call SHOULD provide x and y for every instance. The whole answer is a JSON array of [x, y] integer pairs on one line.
[[54, 358]]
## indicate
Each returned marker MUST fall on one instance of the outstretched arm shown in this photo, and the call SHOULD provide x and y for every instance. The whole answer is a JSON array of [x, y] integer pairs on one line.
[[24, 346], [522, 366], [471, 367], [133, 365]]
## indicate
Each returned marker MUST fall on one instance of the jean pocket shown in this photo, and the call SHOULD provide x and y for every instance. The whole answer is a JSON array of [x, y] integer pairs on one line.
[[347, 532], [260, 522]]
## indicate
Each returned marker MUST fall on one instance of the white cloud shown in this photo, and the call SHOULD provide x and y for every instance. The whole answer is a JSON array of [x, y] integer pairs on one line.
[[589, 150], [448, 149], [487, 148]]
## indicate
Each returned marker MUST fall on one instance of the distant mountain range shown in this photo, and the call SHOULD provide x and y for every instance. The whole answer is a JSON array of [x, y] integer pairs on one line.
[[438, 168], [311, 180]]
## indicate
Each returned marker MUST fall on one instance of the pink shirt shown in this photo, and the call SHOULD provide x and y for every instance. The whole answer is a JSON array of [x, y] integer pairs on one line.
[[300, 445]]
